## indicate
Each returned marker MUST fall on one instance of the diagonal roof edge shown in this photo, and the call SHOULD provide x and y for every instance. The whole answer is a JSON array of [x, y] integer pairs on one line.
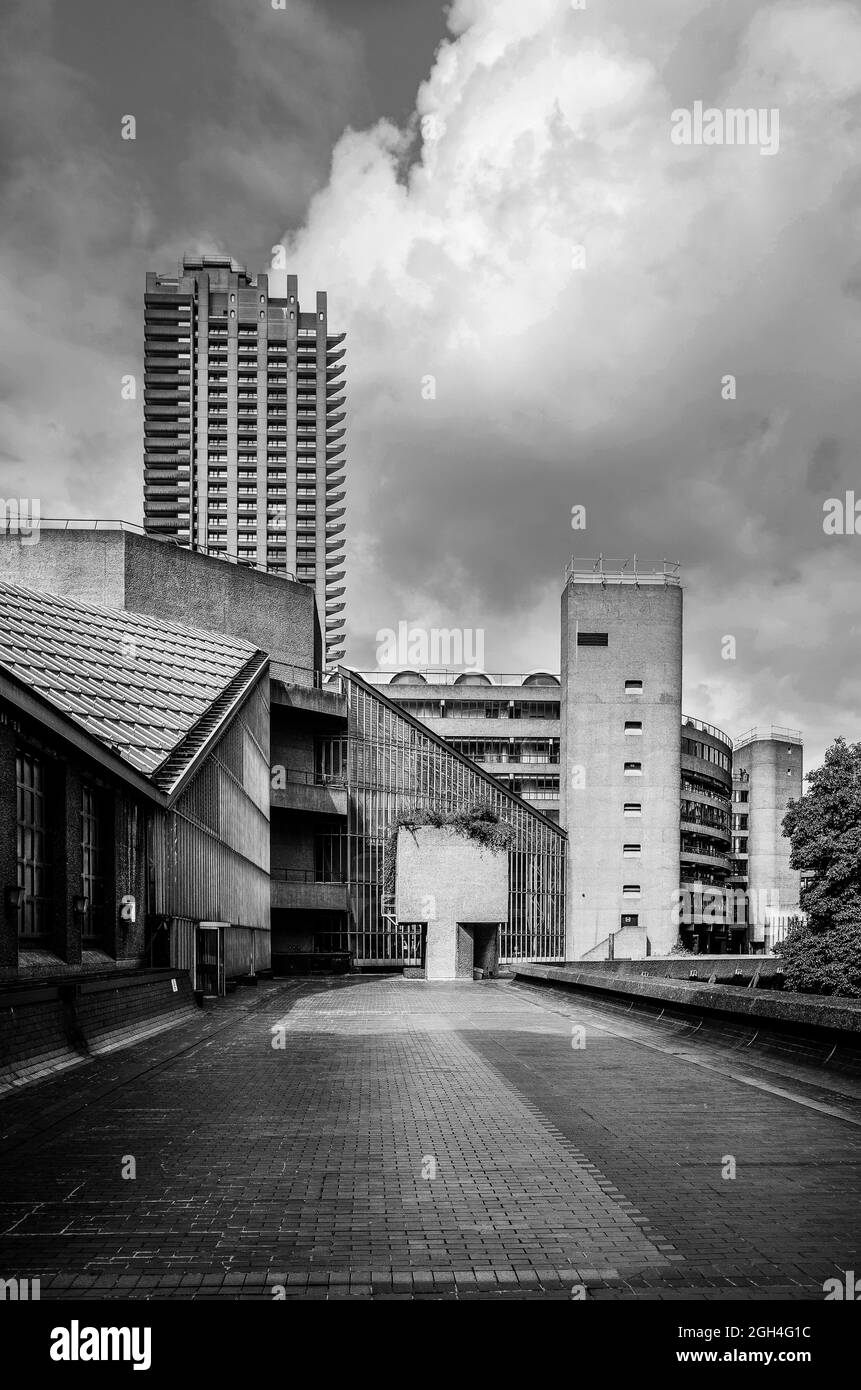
[[34, 705], [436, 738], [172, 775]]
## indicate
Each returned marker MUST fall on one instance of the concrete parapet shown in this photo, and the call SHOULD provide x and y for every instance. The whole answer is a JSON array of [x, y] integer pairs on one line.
[[769, 1007]]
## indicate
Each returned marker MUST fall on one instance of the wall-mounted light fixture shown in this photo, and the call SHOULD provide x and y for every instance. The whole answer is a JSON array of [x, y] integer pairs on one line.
[[80, 904], [14, 897]]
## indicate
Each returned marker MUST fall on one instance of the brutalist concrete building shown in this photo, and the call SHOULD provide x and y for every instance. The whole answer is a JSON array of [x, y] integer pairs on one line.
[[345, 761], [658, 848], [134, 793], [244, 433], [768, 772]]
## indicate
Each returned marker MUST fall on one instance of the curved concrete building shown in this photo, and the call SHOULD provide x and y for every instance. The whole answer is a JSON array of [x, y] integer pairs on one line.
[[705, 844], [769, 764]]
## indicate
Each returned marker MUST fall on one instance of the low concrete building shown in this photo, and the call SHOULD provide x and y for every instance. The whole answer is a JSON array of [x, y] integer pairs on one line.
[[134, 793], [507, 723], [455, 892], [344, 760]]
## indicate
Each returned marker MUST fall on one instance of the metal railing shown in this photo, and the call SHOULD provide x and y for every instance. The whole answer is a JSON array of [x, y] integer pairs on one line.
[[306, 876], [763, 732], [314, 778], [439, 676], [699, 724], [628, 571], [308, 678]]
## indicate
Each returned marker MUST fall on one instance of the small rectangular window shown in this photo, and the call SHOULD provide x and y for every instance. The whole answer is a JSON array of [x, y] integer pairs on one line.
[[631, 851], [633, 687], [630, 890], [633, 726], [592, 639], [633, 808], [630, 919], [633, 769]]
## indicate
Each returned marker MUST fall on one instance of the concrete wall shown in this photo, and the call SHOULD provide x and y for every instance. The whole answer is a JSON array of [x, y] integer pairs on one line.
[[644, 627], [775, 768], [449, 881], [119, 569], [755, 1007], [54, 1026]]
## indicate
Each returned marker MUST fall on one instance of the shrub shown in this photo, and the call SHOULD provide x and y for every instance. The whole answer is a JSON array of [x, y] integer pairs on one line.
[[822, 962], [478, 822]]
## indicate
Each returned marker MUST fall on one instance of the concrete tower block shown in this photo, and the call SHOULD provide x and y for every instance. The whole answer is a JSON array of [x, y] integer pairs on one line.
[[774, 761], [620, 757]]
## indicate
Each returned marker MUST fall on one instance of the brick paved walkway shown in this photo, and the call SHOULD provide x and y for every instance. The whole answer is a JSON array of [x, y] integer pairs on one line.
[[426, 1140]]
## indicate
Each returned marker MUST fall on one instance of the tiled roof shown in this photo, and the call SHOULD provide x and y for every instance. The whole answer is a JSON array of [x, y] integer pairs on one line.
[[137, 684]]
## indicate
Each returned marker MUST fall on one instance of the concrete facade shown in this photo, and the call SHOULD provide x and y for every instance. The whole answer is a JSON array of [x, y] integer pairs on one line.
[[620, 758], [243, 426], [454, 885], [770, 767], [116, 567], [507, 723]]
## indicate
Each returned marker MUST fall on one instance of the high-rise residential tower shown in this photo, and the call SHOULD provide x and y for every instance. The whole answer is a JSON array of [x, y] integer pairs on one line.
[[243, 427]]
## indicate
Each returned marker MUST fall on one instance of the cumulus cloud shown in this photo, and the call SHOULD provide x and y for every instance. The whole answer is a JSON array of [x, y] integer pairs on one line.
[[450, 252], [543, 295], [86, 214]]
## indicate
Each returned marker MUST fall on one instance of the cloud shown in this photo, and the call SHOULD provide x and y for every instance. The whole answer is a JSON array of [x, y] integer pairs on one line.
[[449, 250], [494, 380], [86, 214]]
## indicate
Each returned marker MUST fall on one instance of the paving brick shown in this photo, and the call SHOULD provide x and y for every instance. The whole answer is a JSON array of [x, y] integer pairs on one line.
[[425, 1141]]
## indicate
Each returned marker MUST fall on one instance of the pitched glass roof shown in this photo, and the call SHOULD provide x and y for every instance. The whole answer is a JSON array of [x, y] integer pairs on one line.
[[137, 684]]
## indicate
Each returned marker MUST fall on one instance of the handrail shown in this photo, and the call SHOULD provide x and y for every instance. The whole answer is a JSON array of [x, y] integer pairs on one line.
[[763, 732], [627, 571], [303, 876], [432, 675], [704, 728]]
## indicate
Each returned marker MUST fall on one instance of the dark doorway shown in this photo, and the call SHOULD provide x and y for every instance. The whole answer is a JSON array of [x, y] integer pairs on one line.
[[210, 960], [478, 944]]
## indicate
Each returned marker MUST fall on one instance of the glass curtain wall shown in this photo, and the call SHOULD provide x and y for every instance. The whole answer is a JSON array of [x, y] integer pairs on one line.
[[395, 765]]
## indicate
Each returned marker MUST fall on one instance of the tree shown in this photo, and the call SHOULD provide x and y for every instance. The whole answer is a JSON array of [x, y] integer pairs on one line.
[[824, 827], [823, 954]]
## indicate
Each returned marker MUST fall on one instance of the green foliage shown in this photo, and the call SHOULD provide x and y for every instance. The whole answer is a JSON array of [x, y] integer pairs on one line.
[[823, 962], [824, 827], [823, 955], [478, 822]]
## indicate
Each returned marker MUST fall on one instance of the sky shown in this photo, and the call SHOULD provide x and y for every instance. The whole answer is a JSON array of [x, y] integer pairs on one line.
[[550, 303]]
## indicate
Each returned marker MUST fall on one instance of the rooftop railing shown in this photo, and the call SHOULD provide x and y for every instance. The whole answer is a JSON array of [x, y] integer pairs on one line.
[[466, 679], [628, 571], [688, 722], [762, 732]]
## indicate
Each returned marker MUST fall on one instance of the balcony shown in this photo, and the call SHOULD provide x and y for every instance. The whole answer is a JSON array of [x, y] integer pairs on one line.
[[297, 889], [300, 789]]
